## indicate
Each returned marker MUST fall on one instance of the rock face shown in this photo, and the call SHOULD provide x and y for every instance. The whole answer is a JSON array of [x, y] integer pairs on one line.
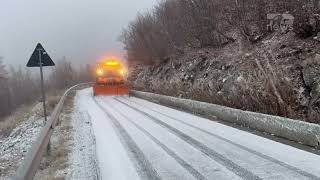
[[311, 77], [230, 78]]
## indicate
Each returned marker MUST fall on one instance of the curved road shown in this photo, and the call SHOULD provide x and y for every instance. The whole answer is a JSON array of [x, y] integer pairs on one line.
[[137, 139]]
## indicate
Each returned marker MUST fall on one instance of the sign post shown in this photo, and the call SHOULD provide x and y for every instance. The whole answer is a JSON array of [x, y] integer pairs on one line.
[[42, 87], [40, 58]]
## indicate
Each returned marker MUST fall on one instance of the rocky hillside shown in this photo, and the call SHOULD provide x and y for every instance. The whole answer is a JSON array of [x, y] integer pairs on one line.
[[279, 75]]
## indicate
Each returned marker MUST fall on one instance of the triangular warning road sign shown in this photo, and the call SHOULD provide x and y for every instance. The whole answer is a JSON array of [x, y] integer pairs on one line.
[[35, 59]]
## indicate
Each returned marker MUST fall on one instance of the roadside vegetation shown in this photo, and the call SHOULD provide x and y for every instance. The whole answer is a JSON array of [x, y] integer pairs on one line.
[[55, 164], [20, 88], [176, 26], [226, 52]]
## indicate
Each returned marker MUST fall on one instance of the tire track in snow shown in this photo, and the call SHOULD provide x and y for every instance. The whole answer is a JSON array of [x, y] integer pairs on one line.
[[240, 171], [283, 164], [171, 153], [142, 165]]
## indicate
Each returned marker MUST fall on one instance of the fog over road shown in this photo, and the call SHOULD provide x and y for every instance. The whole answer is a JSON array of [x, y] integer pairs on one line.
[[137, 139]]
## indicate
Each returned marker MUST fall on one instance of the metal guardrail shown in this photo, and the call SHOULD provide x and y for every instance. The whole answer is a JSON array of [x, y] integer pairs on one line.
[[294, 130], [30, 165]]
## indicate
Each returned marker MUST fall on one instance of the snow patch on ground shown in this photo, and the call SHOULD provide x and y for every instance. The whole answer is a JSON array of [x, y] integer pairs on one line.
[[14, 148], [83, 161], [80, 146]]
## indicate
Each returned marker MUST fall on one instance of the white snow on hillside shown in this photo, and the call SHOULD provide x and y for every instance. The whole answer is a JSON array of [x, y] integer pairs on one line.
[[14, 147]]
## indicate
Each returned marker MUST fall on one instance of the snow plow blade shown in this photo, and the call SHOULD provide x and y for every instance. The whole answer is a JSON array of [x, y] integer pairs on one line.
[[110, 90]]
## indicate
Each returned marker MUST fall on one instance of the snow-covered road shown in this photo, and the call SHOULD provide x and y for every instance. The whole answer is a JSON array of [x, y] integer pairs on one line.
[[137, 139]]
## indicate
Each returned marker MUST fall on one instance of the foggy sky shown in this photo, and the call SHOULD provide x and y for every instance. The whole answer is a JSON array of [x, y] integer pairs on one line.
[[81, 30]]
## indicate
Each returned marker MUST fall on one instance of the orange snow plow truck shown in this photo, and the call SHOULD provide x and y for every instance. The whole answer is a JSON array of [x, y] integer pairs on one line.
[[110, 78]]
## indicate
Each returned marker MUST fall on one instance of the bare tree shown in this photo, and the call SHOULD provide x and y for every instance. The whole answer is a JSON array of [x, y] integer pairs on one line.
[[176, 25], [65, 75], [4, 91], [23, 87], [18, 86], [3, 72], [62, 76]]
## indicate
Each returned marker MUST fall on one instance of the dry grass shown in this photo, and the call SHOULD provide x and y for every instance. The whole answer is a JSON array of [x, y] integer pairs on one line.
[[7, 124], [55, 162], [52, 101]]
